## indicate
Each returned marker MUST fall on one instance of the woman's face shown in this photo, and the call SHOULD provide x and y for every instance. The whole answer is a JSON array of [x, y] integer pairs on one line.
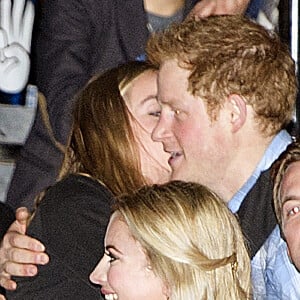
[[141, 100], [124, 272]]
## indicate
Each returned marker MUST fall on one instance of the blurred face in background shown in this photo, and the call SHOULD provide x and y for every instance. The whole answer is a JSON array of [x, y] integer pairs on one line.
[[290, 197]]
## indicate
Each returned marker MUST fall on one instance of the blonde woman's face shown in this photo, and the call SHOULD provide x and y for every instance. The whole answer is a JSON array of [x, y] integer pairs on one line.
[[123, 271], [141, 100]]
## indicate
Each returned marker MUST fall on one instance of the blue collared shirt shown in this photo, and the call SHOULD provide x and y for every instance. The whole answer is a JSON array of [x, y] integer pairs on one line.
[[277, 146], [273, 275]]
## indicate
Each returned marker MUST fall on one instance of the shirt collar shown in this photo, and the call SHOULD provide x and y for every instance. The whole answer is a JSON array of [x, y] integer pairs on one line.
[[276, 147]]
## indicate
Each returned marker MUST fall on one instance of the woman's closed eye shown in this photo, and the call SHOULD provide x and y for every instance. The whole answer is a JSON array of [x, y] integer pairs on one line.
[[155, 113]]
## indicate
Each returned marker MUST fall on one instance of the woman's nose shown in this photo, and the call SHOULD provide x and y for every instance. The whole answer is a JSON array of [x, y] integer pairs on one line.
[[99, 274], [161, 130]]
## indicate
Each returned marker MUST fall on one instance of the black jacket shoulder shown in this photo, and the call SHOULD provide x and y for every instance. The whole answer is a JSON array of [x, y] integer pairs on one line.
[[70, 221]]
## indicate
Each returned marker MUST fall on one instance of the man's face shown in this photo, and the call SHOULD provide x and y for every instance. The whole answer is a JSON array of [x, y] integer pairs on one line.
[[198, 147], [290, 197]]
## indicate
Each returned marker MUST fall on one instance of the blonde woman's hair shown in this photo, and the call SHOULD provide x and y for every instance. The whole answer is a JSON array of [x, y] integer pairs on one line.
[[232, 55], [193, 242]]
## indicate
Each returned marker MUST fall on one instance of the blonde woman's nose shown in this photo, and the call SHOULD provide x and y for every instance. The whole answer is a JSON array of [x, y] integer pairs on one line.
[[99, 274]]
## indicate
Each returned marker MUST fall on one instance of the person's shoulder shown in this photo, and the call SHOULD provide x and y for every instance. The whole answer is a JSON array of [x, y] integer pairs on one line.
[[77, 191], [71, 203], [282, 278], [79, 183]]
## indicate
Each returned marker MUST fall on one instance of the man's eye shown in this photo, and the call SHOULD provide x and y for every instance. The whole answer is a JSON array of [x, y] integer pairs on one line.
[[293, 211]]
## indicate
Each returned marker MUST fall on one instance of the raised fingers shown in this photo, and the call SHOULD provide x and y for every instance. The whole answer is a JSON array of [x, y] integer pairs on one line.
[[5, 15], [17, 21], [27, 25], [3, 39]]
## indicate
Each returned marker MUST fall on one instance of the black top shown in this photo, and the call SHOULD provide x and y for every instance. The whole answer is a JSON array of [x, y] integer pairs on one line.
[[71, 222]]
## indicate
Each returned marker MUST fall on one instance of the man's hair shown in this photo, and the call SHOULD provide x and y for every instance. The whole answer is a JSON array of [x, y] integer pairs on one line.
[[232, 55], [289, 156], [192, 240]]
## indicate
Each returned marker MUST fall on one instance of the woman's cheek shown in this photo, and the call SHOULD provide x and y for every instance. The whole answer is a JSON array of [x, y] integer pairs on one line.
[[115, 278]]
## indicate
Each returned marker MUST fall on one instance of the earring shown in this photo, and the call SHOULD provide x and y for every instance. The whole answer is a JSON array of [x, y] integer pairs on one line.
[[149, 268]]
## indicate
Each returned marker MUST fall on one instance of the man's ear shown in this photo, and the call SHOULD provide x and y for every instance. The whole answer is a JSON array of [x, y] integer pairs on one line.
[[238, 111]]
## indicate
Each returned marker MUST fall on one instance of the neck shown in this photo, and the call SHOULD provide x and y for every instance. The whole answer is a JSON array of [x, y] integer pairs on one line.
[[163, 8], [241, 167]]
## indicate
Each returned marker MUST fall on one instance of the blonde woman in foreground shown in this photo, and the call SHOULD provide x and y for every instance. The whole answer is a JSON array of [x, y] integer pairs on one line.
[[173, 241]]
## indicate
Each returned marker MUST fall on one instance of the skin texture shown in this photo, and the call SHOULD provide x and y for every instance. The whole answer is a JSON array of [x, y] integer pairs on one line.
[[290, 195], [124, 270]]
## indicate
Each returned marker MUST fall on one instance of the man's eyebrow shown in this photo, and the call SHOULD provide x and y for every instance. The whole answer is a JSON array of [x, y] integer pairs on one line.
[[167, 102], [108, 247]]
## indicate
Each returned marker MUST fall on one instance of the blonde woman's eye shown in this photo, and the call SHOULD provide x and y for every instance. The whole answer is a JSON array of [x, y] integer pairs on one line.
[[112, 258], [293, 211]]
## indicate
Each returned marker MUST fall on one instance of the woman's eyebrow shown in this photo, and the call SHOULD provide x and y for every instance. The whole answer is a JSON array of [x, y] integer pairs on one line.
[[108, 247], [149, 97]]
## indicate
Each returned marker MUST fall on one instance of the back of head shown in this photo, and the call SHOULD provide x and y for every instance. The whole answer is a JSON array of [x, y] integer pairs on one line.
[[102, 143], [232, 55], [192, 240]]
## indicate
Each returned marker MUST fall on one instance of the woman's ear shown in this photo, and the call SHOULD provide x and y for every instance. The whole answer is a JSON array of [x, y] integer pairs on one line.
[[167, 291], [238, 111]]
